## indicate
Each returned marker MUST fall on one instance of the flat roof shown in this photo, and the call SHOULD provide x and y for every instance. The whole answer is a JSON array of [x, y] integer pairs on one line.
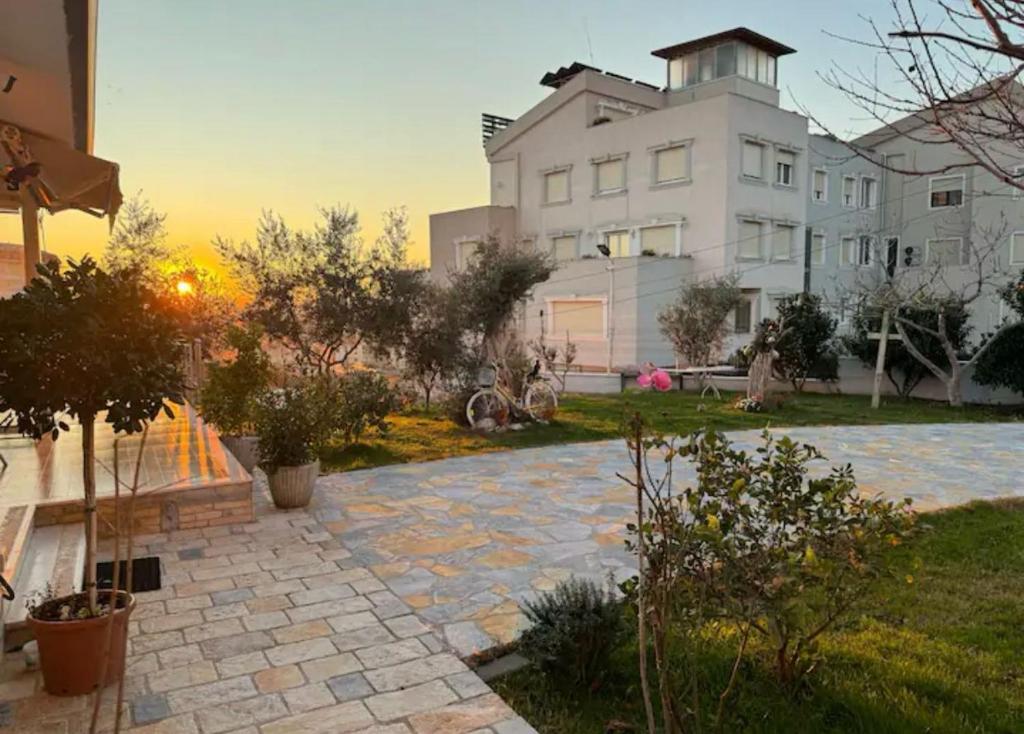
[[736, 34]]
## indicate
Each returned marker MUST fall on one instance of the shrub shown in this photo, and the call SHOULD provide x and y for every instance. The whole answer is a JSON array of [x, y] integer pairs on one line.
[[758, 545], [697, 321], [228, 398], [805, 347], [293, 423], [573, 631], [365, 399], [1002, 364]]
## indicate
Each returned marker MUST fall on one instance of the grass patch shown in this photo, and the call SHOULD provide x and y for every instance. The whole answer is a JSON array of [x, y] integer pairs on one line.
[[423, 436], [941, 654]]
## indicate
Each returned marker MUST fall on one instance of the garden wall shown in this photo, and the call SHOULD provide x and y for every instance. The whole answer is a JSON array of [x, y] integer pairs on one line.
[[854, 379]]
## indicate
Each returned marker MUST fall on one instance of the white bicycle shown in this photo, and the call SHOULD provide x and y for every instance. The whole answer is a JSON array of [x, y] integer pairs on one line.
[[495, 402]]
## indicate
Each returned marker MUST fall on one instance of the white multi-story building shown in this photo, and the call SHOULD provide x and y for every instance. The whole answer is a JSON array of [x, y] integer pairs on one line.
[[636, 189]]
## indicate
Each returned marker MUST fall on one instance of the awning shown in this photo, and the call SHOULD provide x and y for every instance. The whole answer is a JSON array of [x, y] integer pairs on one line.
[[59, 176]]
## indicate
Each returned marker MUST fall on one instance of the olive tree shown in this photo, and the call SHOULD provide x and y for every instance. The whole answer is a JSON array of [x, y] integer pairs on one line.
[[697, 321]]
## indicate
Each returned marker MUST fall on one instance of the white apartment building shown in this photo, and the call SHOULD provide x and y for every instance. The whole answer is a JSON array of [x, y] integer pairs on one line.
[[636, 189]]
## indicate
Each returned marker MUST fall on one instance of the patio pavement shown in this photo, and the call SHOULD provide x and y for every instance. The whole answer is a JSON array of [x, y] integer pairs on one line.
[[462, 541]]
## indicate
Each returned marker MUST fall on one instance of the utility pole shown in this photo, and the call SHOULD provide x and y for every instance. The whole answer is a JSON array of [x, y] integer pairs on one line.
[[883, 344]]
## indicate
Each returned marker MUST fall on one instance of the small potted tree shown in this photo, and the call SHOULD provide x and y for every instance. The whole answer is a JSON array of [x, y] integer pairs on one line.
[[293, 424], [228, 398], [86, 345]]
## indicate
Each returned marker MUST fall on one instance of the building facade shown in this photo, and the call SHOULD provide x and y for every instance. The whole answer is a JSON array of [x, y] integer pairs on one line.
[[635, 190]]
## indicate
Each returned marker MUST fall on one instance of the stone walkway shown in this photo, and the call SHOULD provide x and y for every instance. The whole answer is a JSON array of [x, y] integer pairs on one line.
[[463, 541], [272, 628]]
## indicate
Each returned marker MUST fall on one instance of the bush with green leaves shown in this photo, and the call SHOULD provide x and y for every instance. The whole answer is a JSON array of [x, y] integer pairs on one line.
[[1002, 363], [365, 399], [228, 398], [574, 629], [757, 547], [806, 345], [294, 423], [903, 370]]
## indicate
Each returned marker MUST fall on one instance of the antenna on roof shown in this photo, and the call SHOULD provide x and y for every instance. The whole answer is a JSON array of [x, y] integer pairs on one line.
[[590, 46]]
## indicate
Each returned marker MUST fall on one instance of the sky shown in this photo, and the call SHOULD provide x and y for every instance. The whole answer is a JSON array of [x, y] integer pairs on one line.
[[218, 109]]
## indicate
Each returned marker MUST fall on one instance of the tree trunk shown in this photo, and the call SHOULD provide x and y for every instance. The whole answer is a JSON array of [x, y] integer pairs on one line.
[[89, 482], [953, 390]]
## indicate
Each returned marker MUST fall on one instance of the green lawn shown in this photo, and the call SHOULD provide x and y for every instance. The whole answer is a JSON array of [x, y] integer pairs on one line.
[[943, 654], [423, 436]]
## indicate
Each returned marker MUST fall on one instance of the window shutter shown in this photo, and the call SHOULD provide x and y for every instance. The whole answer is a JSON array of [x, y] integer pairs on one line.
[[662, 240], [578, 318], [670, 164], [749, 245], [753, 154]]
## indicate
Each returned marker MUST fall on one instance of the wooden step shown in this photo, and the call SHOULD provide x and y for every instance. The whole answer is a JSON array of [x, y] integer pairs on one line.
[[55, 559]]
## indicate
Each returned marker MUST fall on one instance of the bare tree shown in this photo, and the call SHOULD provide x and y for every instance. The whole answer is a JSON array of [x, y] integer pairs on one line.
[[949, 283], [957, 65]]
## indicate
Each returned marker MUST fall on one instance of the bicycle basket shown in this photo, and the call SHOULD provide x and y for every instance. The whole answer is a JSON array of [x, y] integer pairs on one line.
[[486, 376]]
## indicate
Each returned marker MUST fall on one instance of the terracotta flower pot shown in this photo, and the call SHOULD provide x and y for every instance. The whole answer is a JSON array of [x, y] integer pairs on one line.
[[71, 652], [292, 486], [244, 448]]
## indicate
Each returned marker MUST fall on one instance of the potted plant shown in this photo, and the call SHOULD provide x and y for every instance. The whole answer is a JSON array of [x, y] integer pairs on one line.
[[228, 398], [293, 424], [86, 345]]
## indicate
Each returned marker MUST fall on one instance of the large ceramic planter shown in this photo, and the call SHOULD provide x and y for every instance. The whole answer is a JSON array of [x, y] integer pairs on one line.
[[71, 653], [244, 448], [292, 486]]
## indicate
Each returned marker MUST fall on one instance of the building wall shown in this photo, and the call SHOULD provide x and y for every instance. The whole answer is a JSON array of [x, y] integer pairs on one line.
[[465, 225]]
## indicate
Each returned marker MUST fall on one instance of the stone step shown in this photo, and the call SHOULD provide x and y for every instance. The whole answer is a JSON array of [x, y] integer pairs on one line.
[[54, 561]]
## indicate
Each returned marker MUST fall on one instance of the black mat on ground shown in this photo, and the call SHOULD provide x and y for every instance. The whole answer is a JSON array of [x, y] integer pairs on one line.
[[145, 574]]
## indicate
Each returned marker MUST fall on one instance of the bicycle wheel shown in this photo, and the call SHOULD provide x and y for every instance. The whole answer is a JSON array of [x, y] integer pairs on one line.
[[486, 405], [540, 401]]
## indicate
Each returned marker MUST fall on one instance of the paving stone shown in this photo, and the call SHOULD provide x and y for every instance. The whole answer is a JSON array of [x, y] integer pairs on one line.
[[225, 647], [413, 672], [150, 707], [181, 677], [305, 572], [203, 587], [431, 642], [304, 631], [309, 697], [338, 719], [333, 608], [210, 694], [407, 626], [304, 558], [467, 684], [229, 716], [226, 611], [230, 596], [467, 638], [151, 643], [366, 586], [516, 725], [376, 634], [392, 653], [187, 603], [350, 687], [184, 724], [330, 666], [188, 554], [324, 593], [236, 665], [399, 704], [462, 718], [229, 571], [265, 621], [350, 622], [135, 665], [277, 588], [297, 652], [213, 630], [268, 603], [386, 729], [272, 680], [171, 622]]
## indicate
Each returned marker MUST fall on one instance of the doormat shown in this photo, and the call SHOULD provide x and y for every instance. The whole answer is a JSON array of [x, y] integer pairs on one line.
[[145, 574]]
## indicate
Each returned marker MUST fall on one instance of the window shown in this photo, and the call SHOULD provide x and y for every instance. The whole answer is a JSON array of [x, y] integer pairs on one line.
[[579, 319], [753, 159], [556, 187], [618, 243], [856, 251], [563, 247], [707, 64], [671, 164], [1017, 248], [782, 242], [464, 253], [868, 193], [743, 317], [749, 245], [785, 161], [818, 248], [610, 176], [946, 251], [849, 189], [945, 191], [675, 74], [660, 240], [725, 59], [820, 185]]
